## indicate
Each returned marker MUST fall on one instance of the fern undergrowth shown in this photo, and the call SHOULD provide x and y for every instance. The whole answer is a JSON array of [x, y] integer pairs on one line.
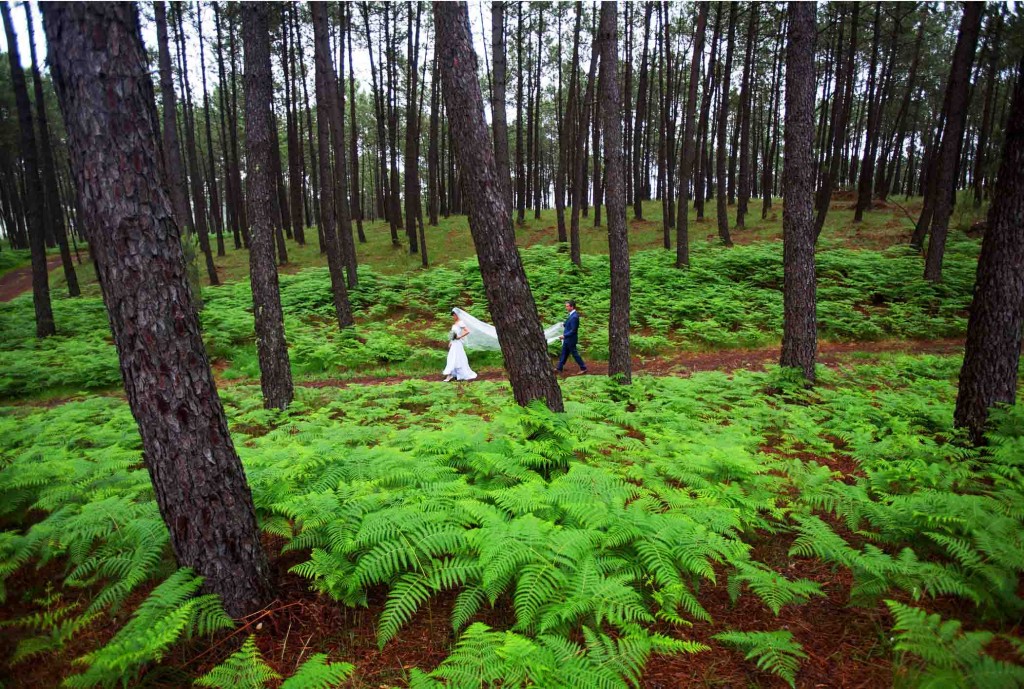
[[601, 531]]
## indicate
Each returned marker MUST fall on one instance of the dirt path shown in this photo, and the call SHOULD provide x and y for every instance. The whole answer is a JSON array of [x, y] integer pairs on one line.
[[685, 363], [19, 280]]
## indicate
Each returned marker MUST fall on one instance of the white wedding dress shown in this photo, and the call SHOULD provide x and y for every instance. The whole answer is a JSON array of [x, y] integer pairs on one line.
[[458, 362]]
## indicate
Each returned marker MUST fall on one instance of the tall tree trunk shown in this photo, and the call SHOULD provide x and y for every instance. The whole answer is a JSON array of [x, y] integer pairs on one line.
[[200, 486], [236, 168], [686, 162], [383, 205], [394, 203], [295, 204], [952, 135], [314, 175], [992, 352], [619, 365], [357, 204], [520, 167], [334, 113], [989, 110], [233, 219], [578, 180], [866, 178], [271, 346], [702, 158], [536, 124], [772, 142], [198, 196], [799, 325], [433, 158], [36, 231], [51, 191], [508, 292], [841, 108], [412, 134], [641, 117], [723, 121], [743, 186], [211, 178], [669, 124], [326, 90], [174, 170]]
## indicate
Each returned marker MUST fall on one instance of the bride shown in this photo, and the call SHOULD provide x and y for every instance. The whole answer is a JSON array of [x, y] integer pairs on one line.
[[458, 363], [472, 333]]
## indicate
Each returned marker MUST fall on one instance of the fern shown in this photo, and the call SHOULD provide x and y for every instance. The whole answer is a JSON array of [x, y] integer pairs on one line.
[[776, 652], [243, 669]]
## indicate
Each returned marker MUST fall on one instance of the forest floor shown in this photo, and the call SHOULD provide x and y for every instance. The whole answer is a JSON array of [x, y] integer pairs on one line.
[[848, 644], [19, 280]]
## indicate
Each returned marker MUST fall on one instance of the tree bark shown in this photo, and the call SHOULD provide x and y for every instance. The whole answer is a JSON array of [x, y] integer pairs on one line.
[[295, 204], [106, 96], [433, 157], [233, 220], [508, 292], [992, 351], [952, 135], [324, 92], [336, 109], [866, 177], [34, 215], [619, 365], [357, 204], [271, 346], [412, 134], [520, 166], [799, 328], [580, 161]]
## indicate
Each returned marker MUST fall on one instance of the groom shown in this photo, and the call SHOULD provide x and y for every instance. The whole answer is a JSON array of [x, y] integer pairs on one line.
[[570, 338]]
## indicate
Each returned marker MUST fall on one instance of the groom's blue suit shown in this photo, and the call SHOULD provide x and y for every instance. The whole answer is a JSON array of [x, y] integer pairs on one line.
[[570, 338]]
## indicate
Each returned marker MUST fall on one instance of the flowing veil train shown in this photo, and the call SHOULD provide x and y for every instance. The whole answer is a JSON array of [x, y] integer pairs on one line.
[[483, 336]]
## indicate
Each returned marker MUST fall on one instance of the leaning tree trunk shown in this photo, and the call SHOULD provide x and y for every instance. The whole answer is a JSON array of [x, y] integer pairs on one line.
[[615, 195], [992, 351], [36, 231], [945, 165], [271, 346], [101, 75], [689, 144], [490, 221], [324, 68], [799, 329]]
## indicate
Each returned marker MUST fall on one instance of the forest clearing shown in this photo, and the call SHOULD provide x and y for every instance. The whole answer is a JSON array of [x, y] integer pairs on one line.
[[407, 344]]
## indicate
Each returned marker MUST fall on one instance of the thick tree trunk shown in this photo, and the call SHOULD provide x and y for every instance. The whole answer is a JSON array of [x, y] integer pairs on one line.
[[723, 121], [508, 292], [51, 191], [619, 365], [324, 92], [799, 328], [271, 346], [34, 215], [106, 96], [952, 136], [686, 162], [992, 351]]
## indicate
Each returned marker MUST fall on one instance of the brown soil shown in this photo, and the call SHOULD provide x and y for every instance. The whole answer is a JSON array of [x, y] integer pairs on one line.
[[19, 280], [830, 354]]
